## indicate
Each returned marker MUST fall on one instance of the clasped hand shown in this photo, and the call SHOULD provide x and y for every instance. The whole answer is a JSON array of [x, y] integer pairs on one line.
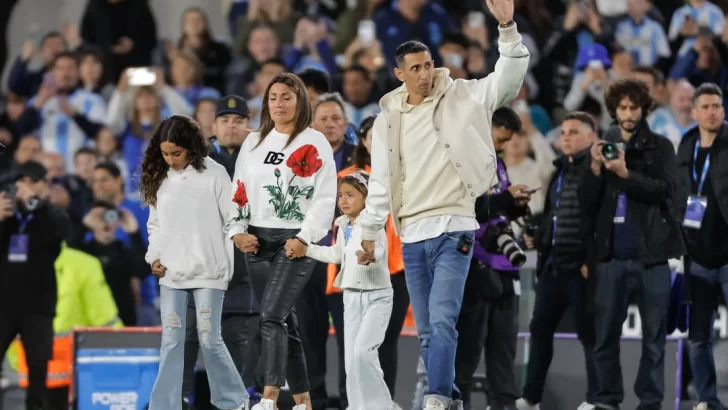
[[295, 248], [246, 243]]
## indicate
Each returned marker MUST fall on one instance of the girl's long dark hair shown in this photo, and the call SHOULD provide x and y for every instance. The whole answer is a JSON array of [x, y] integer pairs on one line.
[[362, 158], [182, 131], [304, 114]]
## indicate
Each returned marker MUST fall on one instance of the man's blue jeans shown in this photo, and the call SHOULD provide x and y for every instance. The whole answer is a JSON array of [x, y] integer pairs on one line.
[[705, 286], [436, 272]]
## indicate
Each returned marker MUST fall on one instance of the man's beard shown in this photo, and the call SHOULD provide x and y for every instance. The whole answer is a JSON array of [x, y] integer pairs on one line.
[[629, 123]]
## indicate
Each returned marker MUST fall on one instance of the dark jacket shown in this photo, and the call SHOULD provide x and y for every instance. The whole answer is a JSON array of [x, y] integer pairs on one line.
[[717, 182], [239, 297], [651, 189], [30, 287], [576, 226]]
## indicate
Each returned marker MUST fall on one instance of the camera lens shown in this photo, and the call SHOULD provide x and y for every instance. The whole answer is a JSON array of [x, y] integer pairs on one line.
[[610, 151]]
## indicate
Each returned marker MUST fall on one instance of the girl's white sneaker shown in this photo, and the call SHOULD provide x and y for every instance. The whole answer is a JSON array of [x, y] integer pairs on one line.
[[265, 404]]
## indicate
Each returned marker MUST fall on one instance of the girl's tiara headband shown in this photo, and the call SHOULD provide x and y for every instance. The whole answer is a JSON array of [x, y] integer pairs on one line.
[[360, 178]]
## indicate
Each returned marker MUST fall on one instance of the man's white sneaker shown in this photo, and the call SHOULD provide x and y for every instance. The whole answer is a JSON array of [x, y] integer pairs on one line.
[[299, 407], [434, 404], [522, 404], [265, 404], [245, 406], [701, 406], [586, 406]]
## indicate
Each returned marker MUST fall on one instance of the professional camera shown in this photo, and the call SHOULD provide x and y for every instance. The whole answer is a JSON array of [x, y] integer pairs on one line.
[[610, 151], [499, 238]]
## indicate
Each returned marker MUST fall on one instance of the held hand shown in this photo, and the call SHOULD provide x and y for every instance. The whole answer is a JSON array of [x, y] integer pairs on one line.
[[617, 166], [366, 256], [585, 271], [596, 153], [128, 222], [158, 269], [246, 243], [502, 10], [295, 249], [6, 207], [529, 241]]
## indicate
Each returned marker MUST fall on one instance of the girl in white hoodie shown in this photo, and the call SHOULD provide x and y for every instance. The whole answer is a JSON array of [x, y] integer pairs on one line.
[[189, 196], [367, 298]]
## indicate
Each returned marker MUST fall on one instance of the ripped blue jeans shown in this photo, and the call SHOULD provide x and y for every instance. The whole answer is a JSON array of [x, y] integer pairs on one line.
[[226, 387]]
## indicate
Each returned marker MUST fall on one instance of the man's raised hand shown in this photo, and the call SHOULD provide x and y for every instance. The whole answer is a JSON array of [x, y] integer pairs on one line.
[[502, 10]]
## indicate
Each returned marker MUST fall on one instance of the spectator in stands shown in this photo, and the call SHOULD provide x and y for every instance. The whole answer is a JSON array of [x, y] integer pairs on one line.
[[655, 81], [317, 83], [107, 146], [412, 20], [266, 72], [357, 87], [124, 29], [676, 119], [454, 52], [563, 240], [388, 349], [108, 186], [197, 38], [79, 185], [687, 21], [592, 78], [31, 234], [22, 81], [263, 45], [538, 115], [9, 135], [186, 75], [189, 196], [702, 207], [65, 116], [91, 73], [54, 164], [205, 116], [635, 235], [372, 59], [28, 148], [701, 63], [642, 36], [312, 46], [134, 112], [276, 14], [348, 23]]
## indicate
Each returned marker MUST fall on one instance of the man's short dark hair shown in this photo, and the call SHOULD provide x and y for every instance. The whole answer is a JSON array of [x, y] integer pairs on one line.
[[457, 38], [656, 75], [273, 61], [85, 151], [583, 118], [507, 118], [316, 79], [634, 90], [51, 34], [66, 54], [110, 167], [410, 47], [707, 89], [358, 68]]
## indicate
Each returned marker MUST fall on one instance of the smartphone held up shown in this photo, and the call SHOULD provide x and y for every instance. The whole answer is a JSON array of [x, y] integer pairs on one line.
[[141, 76]]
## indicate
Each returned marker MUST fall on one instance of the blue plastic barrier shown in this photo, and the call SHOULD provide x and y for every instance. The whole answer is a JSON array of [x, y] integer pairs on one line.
[[115, 379]]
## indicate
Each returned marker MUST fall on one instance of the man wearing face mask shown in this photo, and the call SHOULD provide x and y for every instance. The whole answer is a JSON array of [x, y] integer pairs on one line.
[[240, 314], [31, 236], [454, 52]]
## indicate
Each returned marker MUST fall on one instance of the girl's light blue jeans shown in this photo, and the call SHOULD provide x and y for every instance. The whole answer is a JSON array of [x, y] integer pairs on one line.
[[226, 386]]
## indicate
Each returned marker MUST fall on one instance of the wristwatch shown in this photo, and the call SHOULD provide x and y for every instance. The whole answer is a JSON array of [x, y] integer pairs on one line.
[[507, 24]]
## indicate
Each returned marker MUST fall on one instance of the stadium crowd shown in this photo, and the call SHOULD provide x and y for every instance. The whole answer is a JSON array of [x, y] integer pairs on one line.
[[82, 101]]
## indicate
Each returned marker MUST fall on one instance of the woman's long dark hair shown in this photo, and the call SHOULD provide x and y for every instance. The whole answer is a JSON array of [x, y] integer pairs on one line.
[[206, 34], [362, 158], [182, 131], [304, 114]]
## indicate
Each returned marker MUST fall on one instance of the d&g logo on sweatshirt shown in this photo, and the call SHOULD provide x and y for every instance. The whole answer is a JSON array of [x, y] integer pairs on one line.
[[274, 158]]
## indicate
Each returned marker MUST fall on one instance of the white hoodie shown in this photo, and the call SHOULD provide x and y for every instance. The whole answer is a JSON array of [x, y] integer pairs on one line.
[[352, 275], [186, 228]]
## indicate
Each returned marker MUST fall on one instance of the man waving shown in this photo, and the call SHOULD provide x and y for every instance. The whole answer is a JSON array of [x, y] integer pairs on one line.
[[432, 156]]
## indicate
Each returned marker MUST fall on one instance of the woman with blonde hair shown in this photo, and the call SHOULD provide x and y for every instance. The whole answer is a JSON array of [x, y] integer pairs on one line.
[[283, 200]]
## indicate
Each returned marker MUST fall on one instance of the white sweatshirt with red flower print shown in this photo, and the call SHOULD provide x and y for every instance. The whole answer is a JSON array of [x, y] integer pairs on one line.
[[291, 187]]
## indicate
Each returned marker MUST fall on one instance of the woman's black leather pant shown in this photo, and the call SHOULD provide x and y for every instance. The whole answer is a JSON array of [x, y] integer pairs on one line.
[[277, 282]]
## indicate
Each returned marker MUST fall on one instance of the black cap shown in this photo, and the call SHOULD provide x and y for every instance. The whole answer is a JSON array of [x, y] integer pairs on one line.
[[33, 170], [232, 104]]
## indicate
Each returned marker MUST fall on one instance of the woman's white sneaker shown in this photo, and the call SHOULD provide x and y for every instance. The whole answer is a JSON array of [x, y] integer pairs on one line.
[[522, 404], [586, 406], [265, 404]]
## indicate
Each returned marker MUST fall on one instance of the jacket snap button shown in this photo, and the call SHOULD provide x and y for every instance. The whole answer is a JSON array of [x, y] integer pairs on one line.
[[447, 145], [470, 185], [457, 164], [472, 194]]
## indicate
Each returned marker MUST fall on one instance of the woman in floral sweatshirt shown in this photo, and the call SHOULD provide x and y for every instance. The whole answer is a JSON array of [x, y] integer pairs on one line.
[[290, 176]]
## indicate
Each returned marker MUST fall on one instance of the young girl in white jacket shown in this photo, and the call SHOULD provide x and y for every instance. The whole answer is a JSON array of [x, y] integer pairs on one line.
[[367, 298]]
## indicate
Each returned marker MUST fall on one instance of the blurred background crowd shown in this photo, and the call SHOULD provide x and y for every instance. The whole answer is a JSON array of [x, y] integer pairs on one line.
[[82, 96]]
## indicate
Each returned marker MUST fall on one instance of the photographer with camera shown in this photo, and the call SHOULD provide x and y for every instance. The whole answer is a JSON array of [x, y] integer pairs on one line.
[[490, 302], [565, 245], [636, 232], [31, 236]]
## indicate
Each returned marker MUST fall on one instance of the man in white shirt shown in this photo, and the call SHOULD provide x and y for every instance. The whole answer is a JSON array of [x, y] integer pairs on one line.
[[430, 180]]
